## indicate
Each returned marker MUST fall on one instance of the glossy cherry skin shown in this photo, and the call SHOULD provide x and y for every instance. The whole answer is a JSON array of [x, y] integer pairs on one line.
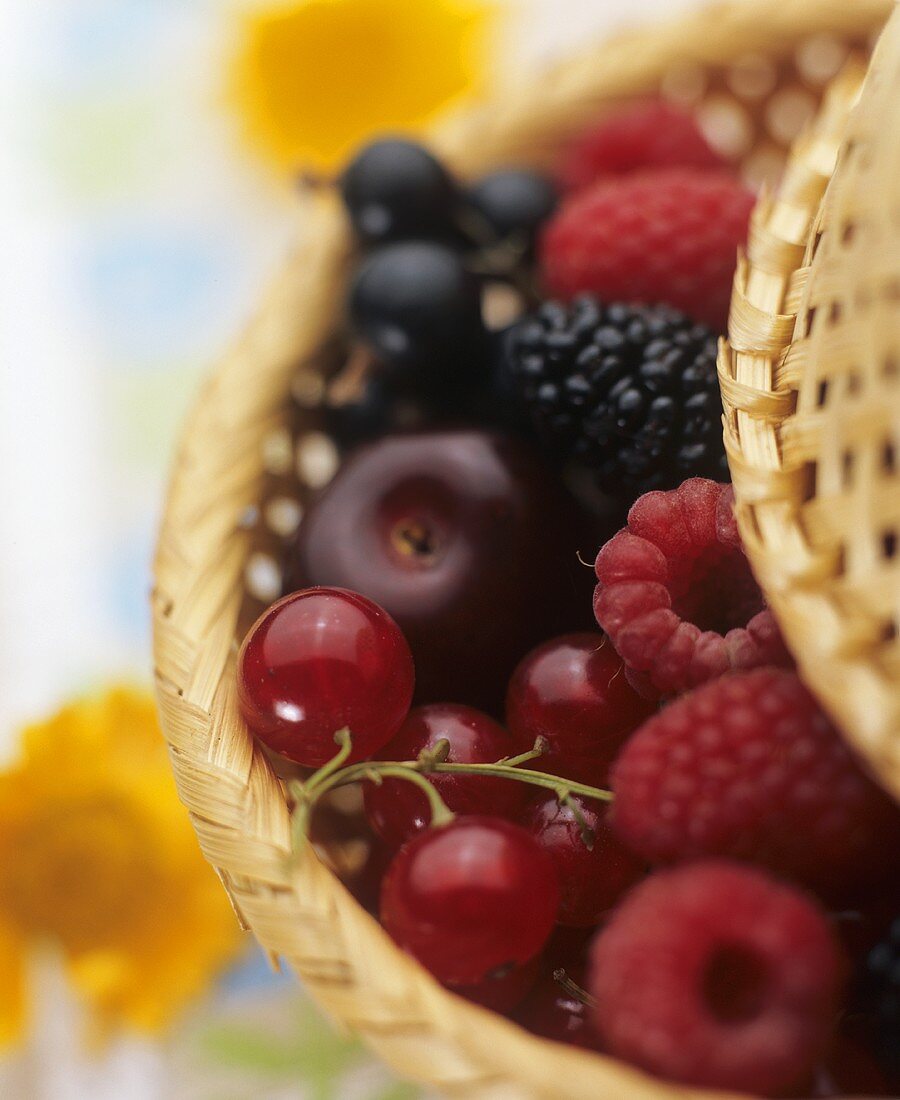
[[553, 1012], [318, 661], [592, 879], [466, 539], [398, 810], [470, 898], [572, 691], [502, 991]]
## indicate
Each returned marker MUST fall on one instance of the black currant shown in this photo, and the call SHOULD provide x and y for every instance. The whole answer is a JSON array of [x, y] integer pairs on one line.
[[395, 189], [418, 309], [513, 203]]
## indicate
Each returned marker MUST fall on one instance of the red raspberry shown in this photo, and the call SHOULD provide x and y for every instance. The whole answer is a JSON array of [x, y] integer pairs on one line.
[[676, 595], [670, 235], [646, 134], [750, 767], [715, 975]]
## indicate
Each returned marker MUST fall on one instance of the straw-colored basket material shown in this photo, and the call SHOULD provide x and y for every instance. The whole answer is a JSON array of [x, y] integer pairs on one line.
[[811, 384], [254, 450]]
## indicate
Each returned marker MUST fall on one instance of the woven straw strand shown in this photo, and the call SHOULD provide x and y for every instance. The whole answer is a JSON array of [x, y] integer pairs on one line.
[[817, 487]]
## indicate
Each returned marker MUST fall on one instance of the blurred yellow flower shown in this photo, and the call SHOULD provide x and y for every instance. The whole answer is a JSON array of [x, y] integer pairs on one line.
[[99, 860], [312, 78]]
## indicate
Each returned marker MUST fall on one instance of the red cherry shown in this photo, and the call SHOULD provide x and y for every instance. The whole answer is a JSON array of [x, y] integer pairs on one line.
[[319, 661], [572, 691], [592, 879], [553, 1012], [503, 991], [466, 539], [470, 898], [397, 810]]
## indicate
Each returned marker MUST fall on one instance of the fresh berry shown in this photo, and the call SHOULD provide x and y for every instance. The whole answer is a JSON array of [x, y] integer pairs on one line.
[[593, 866], [629, 391], [503, 990], [512, 205], [419, 310], [460, 535], [881, 997], [554, 1011], [395, 189], [572, 692], [470, 898], [748, 766], [676, 595], [665, 236], [715, 975], [317, 662], [646, 134], [397, 810]]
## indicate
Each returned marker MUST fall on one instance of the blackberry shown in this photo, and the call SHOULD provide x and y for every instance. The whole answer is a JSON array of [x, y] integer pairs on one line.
[[629, 391], [881, 996]]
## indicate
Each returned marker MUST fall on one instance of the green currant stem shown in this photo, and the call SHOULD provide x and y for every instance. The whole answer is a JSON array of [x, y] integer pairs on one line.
[[562, 787], [540, 747], [344, 741], [441, 814], [431, 762], [369, 769], [573, 988]]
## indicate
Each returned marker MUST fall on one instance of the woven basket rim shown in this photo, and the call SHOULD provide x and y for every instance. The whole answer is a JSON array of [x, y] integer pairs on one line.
[[235, 802]]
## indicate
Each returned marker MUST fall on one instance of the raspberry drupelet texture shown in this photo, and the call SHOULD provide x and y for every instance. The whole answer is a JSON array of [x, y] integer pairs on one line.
[[647, 134], [714, 975], [675, 593], [670, 236], [750, 767], [628, 391]]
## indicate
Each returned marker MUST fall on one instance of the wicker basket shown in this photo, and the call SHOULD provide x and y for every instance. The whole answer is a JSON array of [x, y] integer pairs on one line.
[[253, 451], [813, 416]]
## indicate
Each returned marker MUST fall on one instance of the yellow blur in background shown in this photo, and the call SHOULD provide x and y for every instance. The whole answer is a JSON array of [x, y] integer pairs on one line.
[[312, 79], [101, 864]]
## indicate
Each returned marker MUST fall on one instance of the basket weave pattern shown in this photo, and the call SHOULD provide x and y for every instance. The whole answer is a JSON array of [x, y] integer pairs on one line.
[[253, 450], [811, 386]]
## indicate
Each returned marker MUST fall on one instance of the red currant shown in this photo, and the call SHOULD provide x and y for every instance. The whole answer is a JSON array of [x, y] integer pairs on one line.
[[572, 691], [502, 991], [592, 879], [318, 661], [470, 897], [553, 1012], [397, 810]]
